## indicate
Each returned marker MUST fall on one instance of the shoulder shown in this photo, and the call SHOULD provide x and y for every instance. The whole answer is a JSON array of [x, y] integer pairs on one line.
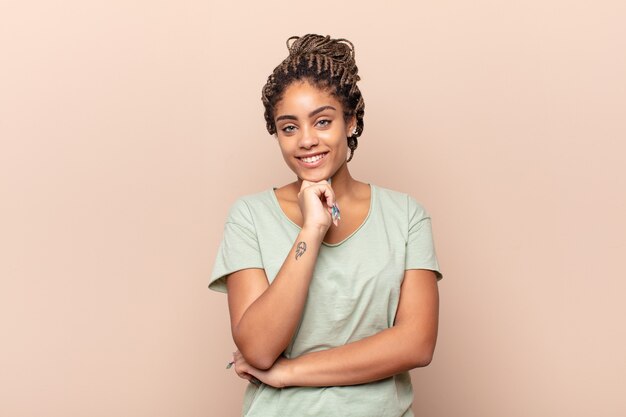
[[399, 202], [245, 208]]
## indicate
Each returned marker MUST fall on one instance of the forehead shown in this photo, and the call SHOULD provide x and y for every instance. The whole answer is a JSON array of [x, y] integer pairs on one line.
[[301, 97]]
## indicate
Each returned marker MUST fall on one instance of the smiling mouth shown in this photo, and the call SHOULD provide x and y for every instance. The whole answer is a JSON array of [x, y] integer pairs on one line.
[[314, 158]]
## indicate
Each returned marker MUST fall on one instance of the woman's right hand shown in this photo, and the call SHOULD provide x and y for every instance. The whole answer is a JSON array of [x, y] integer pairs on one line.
[[316, 200]]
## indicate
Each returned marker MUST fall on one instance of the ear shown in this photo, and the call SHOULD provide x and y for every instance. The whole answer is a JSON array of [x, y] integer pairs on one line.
[[350, 125]]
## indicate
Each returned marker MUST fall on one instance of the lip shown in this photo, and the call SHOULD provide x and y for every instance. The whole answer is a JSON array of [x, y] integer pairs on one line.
[[312, 164]]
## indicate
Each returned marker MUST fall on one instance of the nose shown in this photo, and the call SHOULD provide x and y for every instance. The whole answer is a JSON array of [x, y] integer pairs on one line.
[[308, 138]]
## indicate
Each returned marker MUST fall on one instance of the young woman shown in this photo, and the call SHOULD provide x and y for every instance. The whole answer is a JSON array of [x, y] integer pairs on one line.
[[331, 282]]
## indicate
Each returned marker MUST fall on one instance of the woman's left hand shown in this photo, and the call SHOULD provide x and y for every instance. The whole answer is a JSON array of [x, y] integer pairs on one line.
[[276, 376]]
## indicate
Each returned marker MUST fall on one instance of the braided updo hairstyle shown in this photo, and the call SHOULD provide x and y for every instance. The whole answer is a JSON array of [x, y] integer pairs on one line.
[[325, 63]]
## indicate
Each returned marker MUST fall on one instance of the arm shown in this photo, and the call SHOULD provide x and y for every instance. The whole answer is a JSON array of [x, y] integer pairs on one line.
[[408, 344], [264, 317]]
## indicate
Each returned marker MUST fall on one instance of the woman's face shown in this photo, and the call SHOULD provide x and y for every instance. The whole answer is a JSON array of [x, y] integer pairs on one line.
[[311, 131]]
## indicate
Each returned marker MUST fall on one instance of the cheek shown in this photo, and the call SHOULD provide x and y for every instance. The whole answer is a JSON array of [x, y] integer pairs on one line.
[[286, 152], [337, 138], [334, 136]]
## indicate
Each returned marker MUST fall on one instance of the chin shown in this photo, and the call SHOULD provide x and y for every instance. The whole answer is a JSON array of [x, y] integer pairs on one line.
[[313, 176]]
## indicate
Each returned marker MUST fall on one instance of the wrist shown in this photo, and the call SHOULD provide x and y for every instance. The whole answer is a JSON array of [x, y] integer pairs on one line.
[[287, 378], [315, 232]]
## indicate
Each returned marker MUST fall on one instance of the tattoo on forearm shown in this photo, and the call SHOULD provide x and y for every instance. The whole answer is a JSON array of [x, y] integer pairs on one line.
[[300, 249]]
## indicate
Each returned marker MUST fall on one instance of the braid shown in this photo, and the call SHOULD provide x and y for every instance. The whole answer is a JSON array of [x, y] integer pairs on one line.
[[328, 64]]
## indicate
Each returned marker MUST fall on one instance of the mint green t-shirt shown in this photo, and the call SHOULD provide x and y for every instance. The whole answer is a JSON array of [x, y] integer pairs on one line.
[[354, 293]]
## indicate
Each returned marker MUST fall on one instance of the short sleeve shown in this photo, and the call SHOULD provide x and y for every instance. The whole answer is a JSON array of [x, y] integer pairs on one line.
[[239, 248], [420, 247]]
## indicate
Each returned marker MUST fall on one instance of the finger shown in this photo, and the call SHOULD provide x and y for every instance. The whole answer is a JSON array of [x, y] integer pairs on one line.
[[241, 369], [305, 184], [244, 370], [251, 379], [322, 191], [241, 374], [254, 375], [240, 363], [329, 195], [311, 185], [246, 376]]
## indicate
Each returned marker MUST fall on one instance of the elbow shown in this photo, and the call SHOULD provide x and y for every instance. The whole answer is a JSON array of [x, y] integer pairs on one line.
[[422, 355], [256, 356], [422, 360], [257, 353], [262, 362]]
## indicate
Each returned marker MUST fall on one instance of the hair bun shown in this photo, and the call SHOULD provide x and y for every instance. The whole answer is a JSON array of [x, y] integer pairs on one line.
[[339, 50]]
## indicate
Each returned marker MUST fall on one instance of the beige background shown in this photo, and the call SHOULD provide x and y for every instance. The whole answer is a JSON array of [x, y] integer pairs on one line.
[[129, 127]]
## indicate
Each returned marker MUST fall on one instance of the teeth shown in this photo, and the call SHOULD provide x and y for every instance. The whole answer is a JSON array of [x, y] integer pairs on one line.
[[312, 159]]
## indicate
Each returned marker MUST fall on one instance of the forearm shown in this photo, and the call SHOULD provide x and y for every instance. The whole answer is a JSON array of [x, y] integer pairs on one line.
[[382, 355], [269, 323]]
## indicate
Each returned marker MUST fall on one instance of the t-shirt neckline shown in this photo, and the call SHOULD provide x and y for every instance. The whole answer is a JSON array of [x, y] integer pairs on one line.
[[363, 223]]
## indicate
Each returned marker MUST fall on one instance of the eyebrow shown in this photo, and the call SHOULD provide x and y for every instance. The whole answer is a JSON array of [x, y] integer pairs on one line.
[[313, 113]]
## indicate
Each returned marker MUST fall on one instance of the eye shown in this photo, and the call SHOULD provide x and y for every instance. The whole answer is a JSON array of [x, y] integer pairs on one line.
[[288, 129], [324, 122]]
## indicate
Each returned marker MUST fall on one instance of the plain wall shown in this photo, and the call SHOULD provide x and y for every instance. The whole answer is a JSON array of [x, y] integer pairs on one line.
[[128, 128]]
